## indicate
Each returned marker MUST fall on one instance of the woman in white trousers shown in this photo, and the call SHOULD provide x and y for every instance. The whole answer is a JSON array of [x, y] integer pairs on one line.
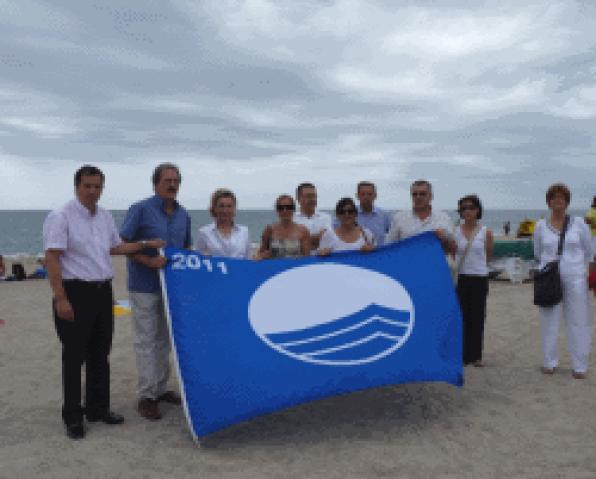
[[573, 266]]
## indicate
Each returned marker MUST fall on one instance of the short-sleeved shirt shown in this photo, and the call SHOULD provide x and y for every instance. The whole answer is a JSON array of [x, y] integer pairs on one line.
[[316, 223], [378, 221], [210, 241], [147, 220], [407, 223], [85, 239]]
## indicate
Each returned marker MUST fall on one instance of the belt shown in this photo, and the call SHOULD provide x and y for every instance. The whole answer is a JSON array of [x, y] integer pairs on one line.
[[96, 284]]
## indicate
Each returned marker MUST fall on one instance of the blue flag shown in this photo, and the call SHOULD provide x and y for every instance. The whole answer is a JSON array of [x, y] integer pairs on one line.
[[252, 337]]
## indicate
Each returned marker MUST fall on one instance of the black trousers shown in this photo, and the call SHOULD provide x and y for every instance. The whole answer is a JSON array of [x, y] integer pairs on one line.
[[87, 339], [472, 292]]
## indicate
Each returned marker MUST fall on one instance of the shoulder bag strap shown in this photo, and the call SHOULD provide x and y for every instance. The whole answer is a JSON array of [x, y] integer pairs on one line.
[[366, 239], [562, 236]]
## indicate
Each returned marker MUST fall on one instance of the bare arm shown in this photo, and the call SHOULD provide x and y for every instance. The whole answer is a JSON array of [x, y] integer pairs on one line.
[[265, 248], [61, 303], [154, 262], [134, 251], [136, 246], [448, 243], [315, 239]]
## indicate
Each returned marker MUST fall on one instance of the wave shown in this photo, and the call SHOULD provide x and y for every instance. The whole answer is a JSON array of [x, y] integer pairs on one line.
[[370, 330]]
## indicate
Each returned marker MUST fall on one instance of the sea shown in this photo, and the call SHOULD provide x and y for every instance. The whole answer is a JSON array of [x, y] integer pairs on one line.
[[21, 230]]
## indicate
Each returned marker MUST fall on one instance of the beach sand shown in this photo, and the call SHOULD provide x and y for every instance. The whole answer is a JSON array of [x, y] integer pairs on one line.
[[508, 420]]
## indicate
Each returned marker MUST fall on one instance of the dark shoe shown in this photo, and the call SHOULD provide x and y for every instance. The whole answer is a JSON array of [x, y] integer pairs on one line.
[[149, 409], [109, 417], [170, 397], [75, 430], [545, 370], [578, 375]]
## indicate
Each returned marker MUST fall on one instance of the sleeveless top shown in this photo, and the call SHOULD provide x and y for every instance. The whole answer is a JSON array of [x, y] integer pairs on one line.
[[475, 261], [285, 248], [335, 243]]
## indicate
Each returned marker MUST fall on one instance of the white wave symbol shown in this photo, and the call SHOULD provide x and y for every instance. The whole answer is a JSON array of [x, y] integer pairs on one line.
[[368, 334]]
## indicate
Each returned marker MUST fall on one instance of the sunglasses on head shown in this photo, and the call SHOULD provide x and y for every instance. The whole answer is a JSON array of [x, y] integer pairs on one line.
[[348, 211], [285, 207]]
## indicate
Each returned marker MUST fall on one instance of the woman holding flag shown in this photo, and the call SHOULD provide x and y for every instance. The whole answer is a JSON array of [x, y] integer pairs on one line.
[[223, 237], [284, 239], [348, 236]]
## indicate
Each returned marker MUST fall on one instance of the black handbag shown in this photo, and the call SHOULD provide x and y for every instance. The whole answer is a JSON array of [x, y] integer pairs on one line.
[[547, 282]]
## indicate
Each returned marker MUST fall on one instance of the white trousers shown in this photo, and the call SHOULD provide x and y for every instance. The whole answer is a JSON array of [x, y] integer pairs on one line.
[[152, 344], [577, 310]]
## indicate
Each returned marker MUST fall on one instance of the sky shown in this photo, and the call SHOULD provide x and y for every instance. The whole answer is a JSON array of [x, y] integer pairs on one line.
[[493, 98]]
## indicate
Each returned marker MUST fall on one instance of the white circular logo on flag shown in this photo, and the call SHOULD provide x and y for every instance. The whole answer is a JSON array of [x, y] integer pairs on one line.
[[332, 314]]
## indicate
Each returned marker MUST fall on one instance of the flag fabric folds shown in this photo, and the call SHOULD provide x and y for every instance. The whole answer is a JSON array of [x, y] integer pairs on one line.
[[252, 337]]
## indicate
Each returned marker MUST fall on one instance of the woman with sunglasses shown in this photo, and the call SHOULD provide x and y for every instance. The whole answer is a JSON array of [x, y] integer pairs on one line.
[[223, 237], [348, 236], [474, 250], [576, 306], [284, 239]]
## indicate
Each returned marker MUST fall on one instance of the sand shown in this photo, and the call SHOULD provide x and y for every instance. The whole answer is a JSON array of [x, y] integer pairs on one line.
[[508, 420]]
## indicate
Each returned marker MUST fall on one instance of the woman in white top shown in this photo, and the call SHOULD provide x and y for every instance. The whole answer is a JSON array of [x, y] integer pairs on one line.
[[348, 236], [576, 306], [472, 279], [223, 237]]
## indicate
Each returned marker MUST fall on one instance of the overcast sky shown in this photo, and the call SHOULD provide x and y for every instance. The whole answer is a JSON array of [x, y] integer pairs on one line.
[[497, 98]]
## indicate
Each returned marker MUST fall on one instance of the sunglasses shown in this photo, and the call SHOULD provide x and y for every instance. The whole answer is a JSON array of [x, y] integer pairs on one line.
[[348, 211], [467, 208], [285, 207]]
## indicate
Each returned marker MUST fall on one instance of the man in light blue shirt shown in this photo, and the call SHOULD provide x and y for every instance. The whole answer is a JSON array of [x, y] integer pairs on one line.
[[159, 216], [375, 219]]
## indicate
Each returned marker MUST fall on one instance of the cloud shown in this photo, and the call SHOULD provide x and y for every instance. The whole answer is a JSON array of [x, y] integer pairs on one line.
[[44, 127], [260, 95]]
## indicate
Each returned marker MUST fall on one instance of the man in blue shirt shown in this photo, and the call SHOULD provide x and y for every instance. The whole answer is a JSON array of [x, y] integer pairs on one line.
[[159, 216], [375, 219]]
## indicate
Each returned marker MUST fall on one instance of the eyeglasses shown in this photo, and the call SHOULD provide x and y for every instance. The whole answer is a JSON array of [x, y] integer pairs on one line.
[[419, 193], [285, 207], [348, 211], [467, 207]]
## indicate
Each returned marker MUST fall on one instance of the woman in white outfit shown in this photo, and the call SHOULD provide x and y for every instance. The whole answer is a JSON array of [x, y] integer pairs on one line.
[[575, 306], [223, 237], [472, 279], [348, 236]]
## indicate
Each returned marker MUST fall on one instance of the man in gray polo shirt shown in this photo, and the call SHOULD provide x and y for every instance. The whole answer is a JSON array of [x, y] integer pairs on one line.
[[78, 240]]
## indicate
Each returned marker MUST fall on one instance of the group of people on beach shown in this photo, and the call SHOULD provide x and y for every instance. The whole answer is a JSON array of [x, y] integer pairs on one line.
[[80, 237]]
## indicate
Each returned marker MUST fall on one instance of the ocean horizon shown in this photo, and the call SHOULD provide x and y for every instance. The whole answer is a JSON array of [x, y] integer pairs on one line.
[[21, 230]]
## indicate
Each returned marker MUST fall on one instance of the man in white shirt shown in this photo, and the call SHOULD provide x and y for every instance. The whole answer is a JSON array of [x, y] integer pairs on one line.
[[422, 218], [316, 222], [78, 240]]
